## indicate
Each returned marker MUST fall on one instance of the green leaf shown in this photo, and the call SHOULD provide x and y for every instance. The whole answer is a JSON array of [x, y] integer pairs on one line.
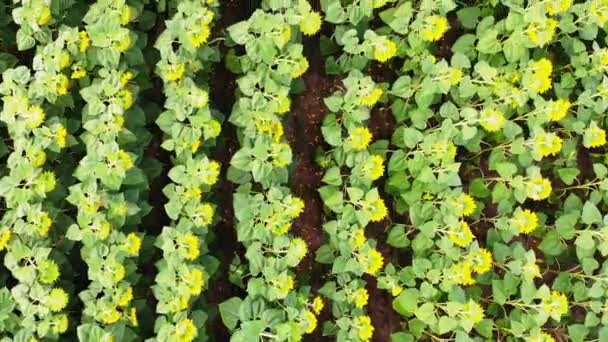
[[568, 174], [426, 312], [397, 237], [446, 324], [469, 17], [478, 188], [332, 197], [229, 311], [407, 302], [506, 170], [591, 214]]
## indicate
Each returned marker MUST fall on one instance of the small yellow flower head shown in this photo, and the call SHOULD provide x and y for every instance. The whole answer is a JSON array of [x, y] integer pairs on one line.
[[125, 15], [204, 215], [469, 204], [45, 16], [61, 136], [195, 281], [62, 84], [491, 120], [124, 160], [310, 23], [125, 99], [455, 76], [46, 182], [472, 311], [434, 28], [359, 138], [37, 157], [133, 244], [538, 188], [546, 144], [5, 237], [48, 271], [310, 320], [299, 248], [317, 305], [199, 35], [175, 72], [64, 60], [61, 324], [118, 272], [594, 136], [599, 11], [133, 316], [460, 273], [541, 33], [192, 245], [56, 300], [558, 109], [212, 129], [461, 234], [119, 122], [538, 76], [360, 297], [554, 7], [125, 78], [358, 239], [34, 117], [195, 146], [109, 316], [209, 172], [78, 72], [480, 259], [373, 261], [295, 207], [300, 68], [542, 337], [379, 211], [555, 305], [125, 297], [524, 221], [384, 49], [103, 230], [185, 331], [283, 285], [363, 326], [85, 42], [124, 43], [373, 167], [193, 193], [43, 223], [372, 98]]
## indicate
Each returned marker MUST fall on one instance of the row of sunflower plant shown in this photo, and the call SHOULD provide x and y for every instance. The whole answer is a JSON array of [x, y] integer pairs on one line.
[[352, 202], [498, 101], [190, 127], [34, 117], [104, 67], [275, 308]]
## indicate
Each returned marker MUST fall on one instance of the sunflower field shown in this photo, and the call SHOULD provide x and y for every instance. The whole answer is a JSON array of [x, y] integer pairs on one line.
[[304, 170]]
